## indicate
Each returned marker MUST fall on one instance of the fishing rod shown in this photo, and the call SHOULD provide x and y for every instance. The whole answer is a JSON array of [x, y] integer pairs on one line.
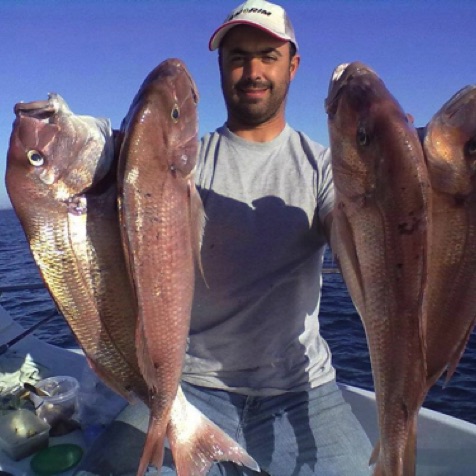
[[6, 346]]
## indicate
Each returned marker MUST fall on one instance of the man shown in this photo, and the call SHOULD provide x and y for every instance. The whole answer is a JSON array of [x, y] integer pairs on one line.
[[256, 363]]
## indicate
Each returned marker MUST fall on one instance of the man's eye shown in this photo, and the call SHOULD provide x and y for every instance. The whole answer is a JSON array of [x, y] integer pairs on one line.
[[269, 59]]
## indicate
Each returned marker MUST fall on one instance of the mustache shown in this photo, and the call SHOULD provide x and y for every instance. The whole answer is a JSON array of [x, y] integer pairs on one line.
[[253, 84]]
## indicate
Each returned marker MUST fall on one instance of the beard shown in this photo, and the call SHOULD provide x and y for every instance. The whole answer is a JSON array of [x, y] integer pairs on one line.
[[250, 111]]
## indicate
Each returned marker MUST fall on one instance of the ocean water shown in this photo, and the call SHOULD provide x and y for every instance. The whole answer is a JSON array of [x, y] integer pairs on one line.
[[340, 324]]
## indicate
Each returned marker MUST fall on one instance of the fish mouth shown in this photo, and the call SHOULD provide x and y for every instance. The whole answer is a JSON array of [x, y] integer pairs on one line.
[[41, 110], [36, 109], [343, 74]]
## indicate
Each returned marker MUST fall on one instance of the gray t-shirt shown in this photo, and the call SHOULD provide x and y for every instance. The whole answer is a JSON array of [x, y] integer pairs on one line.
[[254, 326]]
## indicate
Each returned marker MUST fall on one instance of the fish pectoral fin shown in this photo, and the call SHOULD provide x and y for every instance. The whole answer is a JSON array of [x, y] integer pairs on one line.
[[375, 453], [458, 353], [196, 442], [343, 247], [146, 365]]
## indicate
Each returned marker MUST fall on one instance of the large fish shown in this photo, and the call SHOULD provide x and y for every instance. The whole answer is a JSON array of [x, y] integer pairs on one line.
[[61, 182], [162, 221], [450, 150], [380, 237]]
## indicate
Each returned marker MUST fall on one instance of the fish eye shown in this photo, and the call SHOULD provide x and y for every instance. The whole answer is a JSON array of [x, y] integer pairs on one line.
[[36, 158], [471, 147], [362, 136], [175, 114]]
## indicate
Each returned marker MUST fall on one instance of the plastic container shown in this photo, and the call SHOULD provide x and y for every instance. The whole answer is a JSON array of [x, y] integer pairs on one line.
[[62, 403], [56, 459], [22, 433]]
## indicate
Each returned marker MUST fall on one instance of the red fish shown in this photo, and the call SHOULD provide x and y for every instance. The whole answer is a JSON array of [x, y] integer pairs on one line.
[[450, 150], [162, 223], [60, 184], [381, 232]]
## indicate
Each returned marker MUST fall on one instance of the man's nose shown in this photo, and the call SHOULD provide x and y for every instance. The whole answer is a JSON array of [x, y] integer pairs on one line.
[[252, 68]]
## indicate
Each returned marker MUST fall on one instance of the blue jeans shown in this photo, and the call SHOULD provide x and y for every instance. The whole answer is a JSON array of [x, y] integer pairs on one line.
[[295, 434]]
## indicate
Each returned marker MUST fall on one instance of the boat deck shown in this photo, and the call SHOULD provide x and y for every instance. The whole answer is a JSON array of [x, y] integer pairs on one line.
[[445, 444]]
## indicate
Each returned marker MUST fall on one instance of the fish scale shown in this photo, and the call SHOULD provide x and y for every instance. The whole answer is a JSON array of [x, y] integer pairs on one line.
[[104, 272]]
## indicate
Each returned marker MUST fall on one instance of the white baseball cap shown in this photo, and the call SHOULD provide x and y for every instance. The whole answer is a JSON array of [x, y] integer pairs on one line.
[[263, 15]]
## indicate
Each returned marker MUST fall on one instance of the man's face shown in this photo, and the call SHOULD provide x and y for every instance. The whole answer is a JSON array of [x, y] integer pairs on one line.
[[256, 70]]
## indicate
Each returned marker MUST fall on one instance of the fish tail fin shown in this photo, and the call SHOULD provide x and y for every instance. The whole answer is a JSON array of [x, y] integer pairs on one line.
[[153, 452], [196, 442], [208, 445]]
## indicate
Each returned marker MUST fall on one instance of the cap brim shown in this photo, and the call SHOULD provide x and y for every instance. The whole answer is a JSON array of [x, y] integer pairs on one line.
[[219, 34]]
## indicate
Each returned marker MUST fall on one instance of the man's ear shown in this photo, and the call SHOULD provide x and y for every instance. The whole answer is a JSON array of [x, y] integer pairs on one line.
[[295, 61]]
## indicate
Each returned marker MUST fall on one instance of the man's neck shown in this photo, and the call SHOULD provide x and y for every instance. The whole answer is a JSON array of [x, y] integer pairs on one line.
[[261, 133]]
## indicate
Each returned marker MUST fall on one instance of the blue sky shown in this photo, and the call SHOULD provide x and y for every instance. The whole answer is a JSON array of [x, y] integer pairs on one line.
[[97, 53]]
